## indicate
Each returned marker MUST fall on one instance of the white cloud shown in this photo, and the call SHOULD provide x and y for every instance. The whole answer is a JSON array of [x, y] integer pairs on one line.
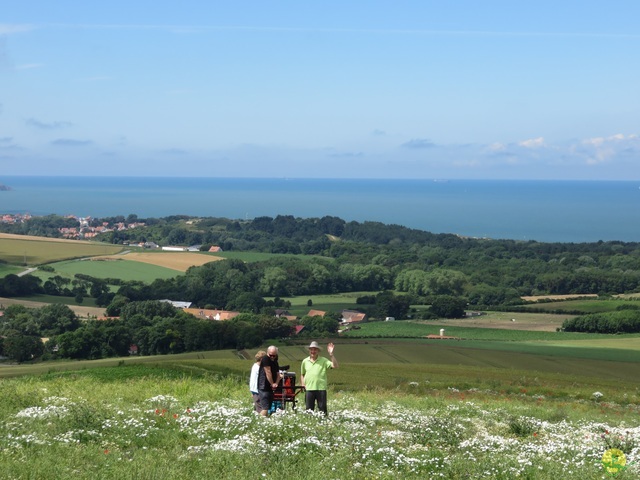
[[532, 143], [599, 150]]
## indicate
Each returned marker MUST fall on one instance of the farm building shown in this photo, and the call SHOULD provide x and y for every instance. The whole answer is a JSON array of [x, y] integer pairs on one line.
[[353, 316]]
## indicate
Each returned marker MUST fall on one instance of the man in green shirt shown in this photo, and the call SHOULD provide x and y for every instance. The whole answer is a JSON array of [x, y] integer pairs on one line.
[[314, 376]]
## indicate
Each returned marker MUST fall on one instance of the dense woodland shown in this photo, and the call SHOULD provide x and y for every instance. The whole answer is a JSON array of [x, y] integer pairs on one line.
[[325, 255]]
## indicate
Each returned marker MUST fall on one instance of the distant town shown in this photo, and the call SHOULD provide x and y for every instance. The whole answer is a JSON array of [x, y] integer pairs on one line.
[[86, 228]]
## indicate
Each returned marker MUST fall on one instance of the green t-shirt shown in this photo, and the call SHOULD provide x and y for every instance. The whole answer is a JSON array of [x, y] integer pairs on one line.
[[315, 374]]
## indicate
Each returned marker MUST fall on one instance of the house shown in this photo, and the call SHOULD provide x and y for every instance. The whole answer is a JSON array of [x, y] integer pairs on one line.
[[194, 248], [171, 248], [206, 314], [282, 313], [150, 245], [316, 313], [177, 304], [298, 329], [353, 316], [215, 249]]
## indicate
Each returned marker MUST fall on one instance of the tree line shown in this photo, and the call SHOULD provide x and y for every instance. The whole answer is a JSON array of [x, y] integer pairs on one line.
[[143, 328]]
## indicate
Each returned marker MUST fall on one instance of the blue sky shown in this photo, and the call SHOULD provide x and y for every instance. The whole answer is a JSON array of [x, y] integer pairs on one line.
[[374, 89]]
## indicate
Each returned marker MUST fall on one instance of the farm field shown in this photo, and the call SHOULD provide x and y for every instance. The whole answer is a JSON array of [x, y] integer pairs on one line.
[[508, 320], [21, 249]]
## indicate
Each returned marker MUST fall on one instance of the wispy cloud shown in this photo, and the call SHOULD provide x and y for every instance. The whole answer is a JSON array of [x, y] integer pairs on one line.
[[419, 143], [69, 142], [603, 149], [29, 66], [175, 151], [9, 29], [96, 78], [532, 143], [346, 155], [188, 29], [35, 123]]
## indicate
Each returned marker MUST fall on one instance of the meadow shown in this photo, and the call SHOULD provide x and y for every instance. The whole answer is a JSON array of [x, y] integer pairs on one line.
[[191, 417]]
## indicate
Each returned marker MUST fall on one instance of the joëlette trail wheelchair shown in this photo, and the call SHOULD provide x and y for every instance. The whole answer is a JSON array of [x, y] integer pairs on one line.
[[287, 393]]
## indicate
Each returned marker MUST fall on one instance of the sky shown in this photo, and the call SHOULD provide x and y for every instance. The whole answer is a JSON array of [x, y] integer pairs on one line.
[[457, 89]]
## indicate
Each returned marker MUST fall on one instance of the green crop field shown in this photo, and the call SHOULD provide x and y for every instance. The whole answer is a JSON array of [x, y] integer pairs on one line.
[[33, 251], [122, 269]]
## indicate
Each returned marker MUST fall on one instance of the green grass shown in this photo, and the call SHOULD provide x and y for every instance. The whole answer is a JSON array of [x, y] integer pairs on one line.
[[123, 269]]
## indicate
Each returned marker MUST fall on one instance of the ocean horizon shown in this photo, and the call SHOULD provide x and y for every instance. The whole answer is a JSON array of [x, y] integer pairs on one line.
[[542, 210]]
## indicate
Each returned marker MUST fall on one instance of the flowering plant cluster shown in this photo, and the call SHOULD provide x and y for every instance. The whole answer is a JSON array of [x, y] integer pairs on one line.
[[363, 437]]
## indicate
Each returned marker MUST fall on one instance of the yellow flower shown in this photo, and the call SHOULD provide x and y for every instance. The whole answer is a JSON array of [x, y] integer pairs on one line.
[[614, 460]]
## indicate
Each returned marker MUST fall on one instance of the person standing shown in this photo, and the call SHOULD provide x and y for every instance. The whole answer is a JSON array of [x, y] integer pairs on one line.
[[253, 380], [314, 376], [268, 378]]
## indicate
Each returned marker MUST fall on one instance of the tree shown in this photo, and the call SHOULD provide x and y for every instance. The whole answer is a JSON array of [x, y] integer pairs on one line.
[[387, 304], [447, 306], [22, 348]]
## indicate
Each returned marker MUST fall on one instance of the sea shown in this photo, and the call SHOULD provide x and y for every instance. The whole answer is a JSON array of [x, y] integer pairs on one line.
[[541, 210]]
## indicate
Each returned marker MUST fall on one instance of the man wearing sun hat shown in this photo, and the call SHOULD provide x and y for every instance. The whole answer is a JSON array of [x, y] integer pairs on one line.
[[314, 376]]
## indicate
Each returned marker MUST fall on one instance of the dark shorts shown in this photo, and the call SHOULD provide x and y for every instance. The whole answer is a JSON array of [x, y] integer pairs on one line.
[[266, 397]]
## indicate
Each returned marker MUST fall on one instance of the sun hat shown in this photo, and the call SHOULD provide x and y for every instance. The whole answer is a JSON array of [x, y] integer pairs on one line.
[[315, 345]]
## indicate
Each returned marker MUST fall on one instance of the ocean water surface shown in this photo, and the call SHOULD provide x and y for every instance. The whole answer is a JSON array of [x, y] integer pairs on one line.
[[549, 211]]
